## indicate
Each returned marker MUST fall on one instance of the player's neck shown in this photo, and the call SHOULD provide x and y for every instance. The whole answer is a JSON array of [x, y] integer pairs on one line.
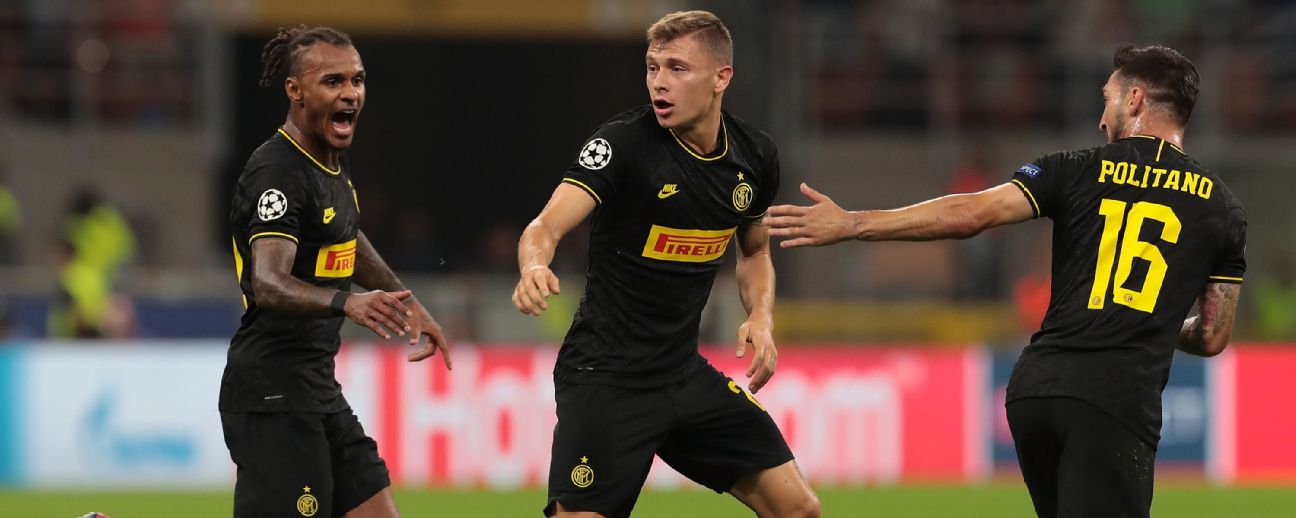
[[1164, 131], [312, 146], [703, 137]]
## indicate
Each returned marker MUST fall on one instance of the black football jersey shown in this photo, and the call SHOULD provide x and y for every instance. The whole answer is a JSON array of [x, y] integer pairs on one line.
[[279, 361], [1139, 229], [665, 218]]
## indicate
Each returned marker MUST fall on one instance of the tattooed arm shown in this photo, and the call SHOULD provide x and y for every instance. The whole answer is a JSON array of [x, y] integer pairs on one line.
[[276, 289], [1208, 333]]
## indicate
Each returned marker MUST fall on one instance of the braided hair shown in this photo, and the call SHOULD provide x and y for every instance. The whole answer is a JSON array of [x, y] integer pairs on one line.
[[283, 51]]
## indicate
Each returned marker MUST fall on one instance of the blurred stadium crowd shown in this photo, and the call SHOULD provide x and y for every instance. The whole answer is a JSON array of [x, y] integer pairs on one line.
[[123, 123]]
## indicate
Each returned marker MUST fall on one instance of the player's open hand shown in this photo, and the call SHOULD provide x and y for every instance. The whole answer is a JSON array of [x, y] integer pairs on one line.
[[537, 283], [823, 223], [758, 335], [422, 324], [380, 311]]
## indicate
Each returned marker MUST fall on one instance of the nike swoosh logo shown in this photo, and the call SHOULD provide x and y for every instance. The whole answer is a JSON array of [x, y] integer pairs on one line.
[[328, 215], [667, 192]]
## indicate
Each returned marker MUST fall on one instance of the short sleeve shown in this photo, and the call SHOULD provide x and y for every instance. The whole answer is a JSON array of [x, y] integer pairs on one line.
[[1041, 179], [278, 200], [769, 185], [598, 164], [1230, 268]]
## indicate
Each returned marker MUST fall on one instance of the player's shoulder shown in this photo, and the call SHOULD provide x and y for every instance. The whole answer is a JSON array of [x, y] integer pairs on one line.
[[746, 132], [274, 159], [635, 120], [1060, 162]]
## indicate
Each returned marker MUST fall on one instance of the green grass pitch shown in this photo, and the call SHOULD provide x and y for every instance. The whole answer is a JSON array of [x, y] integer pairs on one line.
[[1179, 500]]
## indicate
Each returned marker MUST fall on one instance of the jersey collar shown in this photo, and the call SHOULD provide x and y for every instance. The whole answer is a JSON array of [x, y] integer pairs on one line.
[[724, 132], [1161, 145], [308, 155]]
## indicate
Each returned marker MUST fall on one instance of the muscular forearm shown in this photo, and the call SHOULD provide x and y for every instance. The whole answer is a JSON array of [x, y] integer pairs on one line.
[[536, 247], [371, 272], [291, 295], [953, 216], [1208, 333], [1192, 337], [756, 284]]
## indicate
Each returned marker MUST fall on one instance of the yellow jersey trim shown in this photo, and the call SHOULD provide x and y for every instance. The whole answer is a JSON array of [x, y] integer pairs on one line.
[[586, 187], [260, 235], [1159, 146], [1163, 142], [308, 155], [238, 269], [1029, 196], [722, 154], [1223, 278]]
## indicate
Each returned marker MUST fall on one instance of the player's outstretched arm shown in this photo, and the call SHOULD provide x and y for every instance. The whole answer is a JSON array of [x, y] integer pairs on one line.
[[568, 206], [372, 272], [956, 216], [275, 288], [1208, 333], [755, 273]]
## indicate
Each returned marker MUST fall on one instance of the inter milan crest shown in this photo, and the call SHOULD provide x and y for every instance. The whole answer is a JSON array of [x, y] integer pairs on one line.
[[307, 505], [596, 154], [582, 475], [742, 196], [272, 205]]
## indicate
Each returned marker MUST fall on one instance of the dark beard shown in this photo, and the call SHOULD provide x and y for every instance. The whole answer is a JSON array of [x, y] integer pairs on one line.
[[1117, 128]]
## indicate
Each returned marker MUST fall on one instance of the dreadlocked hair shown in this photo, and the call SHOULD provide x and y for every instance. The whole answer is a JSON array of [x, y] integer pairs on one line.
[[282, 52]]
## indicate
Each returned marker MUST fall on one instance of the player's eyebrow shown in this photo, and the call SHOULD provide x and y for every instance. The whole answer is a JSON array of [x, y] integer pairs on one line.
[[332, 75]]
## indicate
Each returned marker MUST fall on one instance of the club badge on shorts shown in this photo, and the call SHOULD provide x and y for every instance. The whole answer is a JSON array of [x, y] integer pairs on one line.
[[583, 475], [307, 505]]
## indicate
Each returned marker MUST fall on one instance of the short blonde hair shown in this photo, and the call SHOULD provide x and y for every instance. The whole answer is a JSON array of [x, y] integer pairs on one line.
[[711, 32]]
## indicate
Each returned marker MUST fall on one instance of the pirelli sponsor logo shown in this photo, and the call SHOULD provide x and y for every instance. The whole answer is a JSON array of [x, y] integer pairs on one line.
[[337, 260], [689, 246]]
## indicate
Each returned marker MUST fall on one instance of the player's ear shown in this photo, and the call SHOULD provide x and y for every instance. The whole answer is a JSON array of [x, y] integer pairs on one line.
[[723, 75], [1137, 100], [293, 89]]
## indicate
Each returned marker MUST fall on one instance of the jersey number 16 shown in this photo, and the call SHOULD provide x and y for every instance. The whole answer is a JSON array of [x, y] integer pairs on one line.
[[1144, 299]]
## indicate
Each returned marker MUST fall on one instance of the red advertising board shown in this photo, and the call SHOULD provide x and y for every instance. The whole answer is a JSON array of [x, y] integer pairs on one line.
[[1256, 429], [852, 415]]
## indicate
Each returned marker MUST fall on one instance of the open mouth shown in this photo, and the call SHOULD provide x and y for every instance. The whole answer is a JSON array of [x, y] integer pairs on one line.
[[663, 108], [343, 121]]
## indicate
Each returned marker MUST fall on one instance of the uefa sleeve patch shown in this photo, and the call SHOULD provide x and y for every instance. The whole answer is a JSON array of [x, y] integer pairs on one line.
[[1030, 170], [272, 205], [596, 154]]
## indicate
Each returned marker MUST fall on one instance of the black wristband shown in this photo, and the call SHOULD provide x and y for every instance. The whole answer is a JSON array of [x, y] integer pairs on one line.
[[339, 302]]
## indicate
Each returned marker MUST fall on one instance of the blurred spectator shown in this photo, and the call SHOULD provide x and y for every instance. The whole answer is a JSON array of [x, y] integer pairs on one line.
[[10, 222], [1275, 301], [1032, 291], [979, 276], [98, 234], [97, 242], [414, 248], [81, 307], [6, 321], [497, 250]]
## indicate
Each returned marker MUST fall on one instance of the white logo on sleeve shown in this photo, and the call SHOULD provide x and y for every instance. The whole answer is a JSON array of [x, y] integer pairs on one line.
[[272, 205], [596, 154]]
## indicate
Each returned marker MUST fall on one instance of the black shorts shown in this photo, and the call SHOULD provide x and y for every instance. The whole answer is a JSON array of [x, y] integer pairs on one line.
[[706, 427], [1079, 461], [302, 464]]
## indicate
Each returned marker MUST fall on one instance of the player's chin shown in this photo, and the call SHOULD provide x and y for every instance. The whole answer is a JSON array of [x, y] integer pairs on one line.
[[337, 141]]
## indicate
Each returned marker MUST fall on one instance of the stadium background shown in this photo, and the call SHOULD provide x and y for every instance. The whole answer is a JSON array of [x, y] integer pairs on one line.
[[124, 123]]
